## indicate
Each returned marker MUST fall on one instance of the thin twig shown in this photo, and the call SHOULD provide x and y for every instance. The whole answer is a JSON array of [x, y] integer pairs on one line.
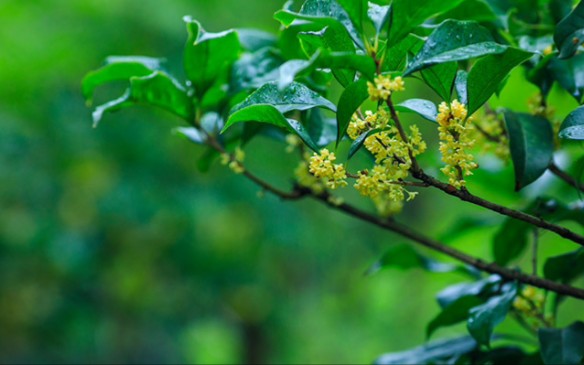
[[555, 169]]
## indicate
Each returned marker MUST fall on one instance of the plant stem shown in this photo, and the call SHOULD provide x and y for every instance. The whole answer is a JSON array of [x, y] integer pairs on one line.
[[555, 169]]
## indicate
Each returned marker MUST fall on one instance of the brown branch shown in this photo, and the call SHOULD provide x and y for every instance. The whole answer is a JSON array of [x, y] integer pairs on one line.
[[393, 226], [555, 169], [416, 237], [466, 196]]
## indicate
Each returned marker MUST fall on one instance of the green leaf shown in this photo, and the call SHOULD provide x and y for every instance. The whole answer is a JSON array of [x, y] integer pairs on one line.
[[488, 72], [460, 84], [569, 74], [476, 10], [565, 268], [406, 257], [454, 313], [378, 15], [294, 97], [264, 113], [455, 40], [330, 39], [510, 241], [484, 318], [358, 142], [351, 99], [253, 70], [573, 126], [207, 55], [407, 15], [355, 9], [322, 130], [363, 64], [569, 33], [454, 292], [531, 142], [440, 78], [253, 40], [192, 134], [395, 56], [110, 107], [157, 89], [562, 346], [424, 108], [116, 69], [325, 12], [436, 352]]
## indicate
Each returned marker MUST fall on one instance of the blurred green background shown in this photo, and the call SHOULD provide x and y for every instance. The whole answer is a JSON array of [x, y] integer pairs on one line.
[[115, 248]]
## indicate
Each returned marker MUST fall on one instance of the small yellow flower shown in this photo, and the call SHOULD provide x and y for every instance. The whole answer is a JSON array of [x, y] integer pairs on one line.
[[548, 50], [322, 167], [455, 139], [383, 86]]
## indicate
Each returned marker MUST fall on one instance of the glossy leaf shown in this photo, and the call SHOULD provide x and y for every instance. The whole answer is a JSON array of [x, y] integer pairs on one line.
[[157, 89], [253, 70], [441, 78], [454, 292], [407, 15], [363, 64], [562, 346], [460, 84], [396, 55], [569, 74], [484, 318], [424, 108], [253, 40], [436, 352], [378, 15], [573, 126], [330, 39], [355, 9], [454, 313], [322, 129], [295, 97], [117, 69], [569, 33], [192, 134], [488, 72], [264, 113], [566, 267], [351, 99], [207, 55], [325, 12], [455, 40], [358, 142], [532, 145]]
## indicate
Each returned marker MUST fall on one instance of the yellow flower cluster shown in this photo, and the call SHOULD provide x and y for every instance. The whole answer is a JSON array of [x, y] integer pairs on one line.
[[384, 86], [384, 184], [372, 120], [455, 139], [497, 141], [235, 161], [322, 167], [537, 107], [306, 179], [530, 302]]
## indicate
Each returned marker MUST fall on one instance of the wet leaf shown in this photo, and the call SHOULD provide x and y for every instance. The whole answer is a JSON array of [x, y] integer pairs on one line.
[[455, 40], [532, 145], [562, 346]]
